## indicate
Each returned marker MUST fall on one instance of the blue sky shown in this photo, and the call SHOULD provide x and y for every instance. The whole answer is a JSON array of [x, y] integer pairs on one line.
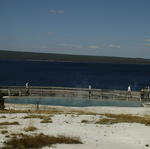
[[86, 27]]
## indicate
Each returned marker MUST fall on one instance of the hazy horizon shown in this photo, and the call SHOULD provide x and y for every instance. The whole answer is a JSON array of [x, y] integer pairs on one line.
[[88, 27]]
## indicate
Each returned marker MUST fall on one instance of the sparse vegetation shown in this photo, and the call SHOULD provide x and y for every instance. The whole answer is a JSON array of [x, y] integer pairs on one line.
[[9, 123], [7, 136], [4, 131], [85, 121], [123, 118], [147, 145], [3, 127], [22, 141], [80, 112], [30, 128], [45, 118], [3, 116], [14, 111], [50, 111], [35, 116]]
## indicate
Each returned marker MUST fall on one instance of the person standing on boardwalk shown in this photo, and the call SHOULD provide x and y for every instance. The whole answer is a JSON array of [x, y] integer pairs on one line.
[[142, 94], [129, 91], [148, 92], [27, 85], [27, 88], [89, 91], [2, 106]]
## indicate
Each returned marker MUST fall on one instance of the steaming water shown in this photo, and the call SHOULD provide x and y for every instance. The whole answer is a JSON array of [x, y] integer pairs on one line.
[[73, 102]]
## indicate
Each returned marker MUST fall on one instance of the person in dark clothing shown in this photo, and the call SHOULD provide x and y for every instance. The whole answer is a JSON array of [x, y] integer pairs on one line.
[[148, 92], [142, 93], [2, 106]]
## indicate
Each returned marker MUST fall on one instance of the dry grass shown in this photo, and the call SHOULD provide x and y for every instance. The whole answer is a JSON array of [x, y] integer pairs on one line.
[[3, 127], [85, 121], [14, 111], [35, 116], [38, 141], [30, 128], [50, 111], [3, 116], [9, 123], [4, 131], [7, 136], [81, 112], [147, 145], [123, 118], [45, 118]]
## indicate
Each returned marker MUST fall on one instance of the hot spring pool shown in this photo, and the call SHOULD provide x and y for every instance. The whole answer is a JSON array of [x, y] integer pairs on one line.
[[72, 102]]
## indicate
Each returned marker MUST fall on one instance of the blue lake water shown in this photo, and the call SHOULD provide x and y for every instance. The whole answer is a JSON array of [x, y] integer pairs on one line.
[[68, 74], [76, 102]]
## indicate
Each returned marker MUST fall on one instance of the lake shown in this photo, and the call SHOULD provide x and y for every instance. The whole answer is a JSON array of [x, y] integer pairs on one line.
[[69, 74]]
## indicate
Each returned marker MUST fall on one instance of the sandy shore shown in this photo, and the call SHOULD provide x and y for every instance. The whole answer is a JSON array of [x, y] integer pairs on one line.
[[93, 136]]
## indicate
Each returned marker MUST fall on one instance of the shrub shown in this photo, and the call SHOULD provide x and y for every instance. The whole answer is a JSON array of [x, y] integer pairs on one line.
[[9, 123], [45, 118], [30, 128], [38, 141], [35, 116], [123, 118], [4, 131], [3, 116], [85, 121]]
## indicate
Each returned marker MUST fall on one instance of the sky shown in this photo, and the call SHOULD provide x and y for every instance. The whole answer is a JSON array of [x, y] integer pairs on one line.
[[84, 27]]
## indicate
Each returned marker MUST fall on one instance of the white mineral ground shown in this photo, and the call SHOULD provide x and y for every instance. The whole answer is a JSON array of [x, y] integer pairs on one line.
[[93, 136]]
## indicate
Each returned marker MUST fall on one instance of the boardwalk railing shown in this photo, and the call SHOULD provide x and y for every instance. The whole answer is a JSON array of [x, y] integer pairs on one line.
[[69, 92]]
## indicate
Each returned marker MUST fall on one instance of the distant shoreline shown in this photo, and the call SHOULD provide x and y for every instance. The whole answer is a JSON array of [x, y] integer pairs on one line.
[[52, 61], [51, 57]]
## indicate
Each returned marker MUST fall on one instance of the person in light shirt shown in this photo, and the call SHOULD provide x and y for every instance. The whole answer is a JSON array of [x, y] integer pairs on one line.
[[27, 88], [27, 85], [129, 91], [89, 91]]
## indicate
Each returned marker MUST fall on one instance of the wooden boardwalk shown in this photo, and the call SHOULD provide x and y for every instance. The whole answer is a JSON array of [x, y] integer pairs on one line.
[[69, 92]]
